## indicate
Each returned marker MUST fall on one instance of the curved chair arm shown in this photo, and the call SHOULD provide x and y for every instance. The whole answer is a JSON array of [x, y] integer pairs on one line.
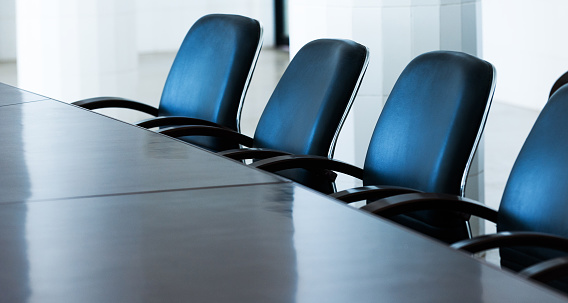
[[371, 192], [105, 102], [252, 153], [308, 162], [174, 120], [547, 270], [501, 239], [201, 130], [401, 204]]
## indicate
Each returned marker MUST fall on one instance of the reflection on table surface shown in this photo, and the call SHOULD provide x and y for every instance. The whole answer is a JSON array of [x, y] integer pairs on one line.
[[96, 210]]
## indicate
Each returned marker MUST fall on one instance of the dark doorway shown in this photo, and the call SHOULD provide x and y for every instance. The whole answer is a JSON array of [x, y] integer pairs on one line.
[[281, 19]]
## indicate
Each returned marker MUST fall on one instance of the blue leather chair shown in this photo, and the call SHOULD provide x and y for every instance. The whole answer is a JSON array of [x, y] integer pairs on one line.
[[533, 212], [208, 80], [306, 110], [424, 140]]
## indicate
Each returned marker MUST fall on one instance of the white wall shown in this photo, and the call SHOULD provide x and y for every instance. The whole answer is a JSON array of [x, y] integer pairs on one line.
[[526, 41], [522, 38], [162, 25], [7, 30], [70, 50]]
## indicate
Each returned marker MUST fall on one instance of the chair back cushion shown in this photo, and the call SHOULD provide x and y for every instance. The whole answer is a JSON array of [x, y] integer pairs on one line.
[[430, 122], [308, 105], [428, 131], [536, 194], [210, 74]]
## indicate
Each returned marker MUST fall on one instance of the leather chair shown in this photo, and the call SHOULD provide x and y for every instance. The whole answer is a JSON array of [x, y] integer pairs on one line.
[[208, 80], [424, 140], [534, 206], [306, 110]]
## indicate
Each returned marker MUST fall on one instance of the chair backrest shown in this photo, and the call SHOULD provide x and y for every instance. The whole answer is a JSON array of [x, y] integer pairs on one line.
[[211, 72], [431, 123], [311, 101], [536, 194], [429, 129]]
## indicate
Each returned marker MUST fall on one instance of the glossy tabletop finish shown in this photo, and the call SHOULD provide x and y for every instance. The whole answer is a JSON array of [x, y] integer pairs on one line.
[[265, 243], [97, 210], [51, 150], [10, 95]]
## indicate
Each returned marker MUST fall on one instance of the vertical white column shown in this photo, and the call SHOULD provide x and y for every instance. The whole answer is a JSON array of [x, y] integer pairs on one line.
[[524, 39], [69, 50], [7, 30], [395, 31], [162, 25]]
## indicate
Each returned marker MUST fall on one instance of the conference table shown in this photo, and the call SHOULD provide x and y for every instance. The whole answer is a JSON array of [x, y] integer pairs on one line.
[[93, 209]]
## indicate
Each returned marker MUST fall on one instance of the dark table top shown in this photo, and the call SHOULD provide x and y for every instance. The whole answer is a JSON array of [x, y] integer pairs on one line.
[[101, 211], [52, 150]]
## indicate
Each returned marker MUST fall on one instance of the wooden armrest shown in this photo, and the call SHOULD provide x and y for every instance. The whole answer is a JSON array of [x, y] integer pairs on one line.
[[174, 120], [201, 130], [406, 203], [547, 270], [106, 102], [371, 192], [503, 239], [252, 153], [308, 162]]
